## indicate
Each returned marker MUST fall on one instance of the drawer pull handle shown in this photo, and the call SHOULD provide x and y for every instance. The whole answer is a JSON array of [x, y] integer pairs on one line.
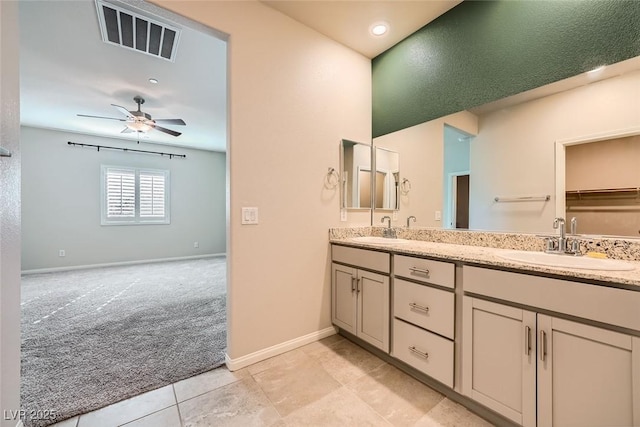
[[415, 306], [419, 270], [414, 350], [543, 345], [353, 284], [527, 340]]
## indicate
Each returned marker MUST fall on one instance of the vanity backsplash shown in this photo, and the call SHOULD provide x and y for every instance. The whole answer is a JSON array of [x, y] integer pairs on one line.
[[614, 248]]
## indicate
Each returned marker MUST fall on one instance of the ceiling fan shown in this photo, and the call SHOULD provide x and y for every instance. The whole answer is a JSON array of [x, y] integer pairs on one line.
[[139, 121]]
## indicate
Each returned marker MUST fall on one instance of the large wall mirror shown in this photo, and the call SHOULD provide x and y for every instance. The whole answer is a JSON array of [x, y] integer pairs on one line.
[[505, 154], [355, 173]]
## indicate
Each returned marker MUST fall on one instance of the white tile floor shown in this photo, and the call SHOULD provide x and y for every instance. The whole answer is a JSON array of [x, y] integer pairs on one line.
[[332, 382]]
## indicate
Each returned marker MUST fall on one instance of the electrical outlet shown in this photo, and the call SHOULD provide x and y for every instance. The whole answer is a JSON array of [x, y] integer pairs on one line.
[[61, 252], [196, 244], [343, 214], [394, 216], [438, 216]]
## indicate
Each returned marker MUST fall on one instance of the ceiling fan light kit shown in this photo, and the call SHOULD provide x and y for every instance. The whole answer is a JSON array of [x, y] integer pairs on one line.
[[139, 121]]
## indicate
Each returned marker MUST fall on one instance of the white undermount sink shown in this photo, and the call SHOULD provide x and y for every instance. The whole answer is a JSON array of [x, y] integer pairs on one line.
[[379, 240], [566, 261]]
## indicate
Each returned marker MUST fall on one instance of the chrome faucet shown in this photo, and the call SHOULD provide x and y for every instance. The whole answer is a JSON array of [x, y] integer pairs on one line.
[[388, 232], [575, 243], [560, 244], [409, 220], [558, 223]]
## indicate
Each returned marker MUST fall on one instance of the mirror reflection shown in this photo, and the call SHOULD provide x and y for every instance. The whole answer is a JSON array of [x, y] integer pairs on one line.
[[606, 202], [387, 182], [355, 172], [511, 147]]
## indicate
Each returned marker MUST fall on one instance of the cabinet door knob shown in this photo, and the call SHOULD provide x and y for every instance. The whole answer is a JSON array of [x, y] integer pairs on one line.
[[419, 270], [419, 307], [415, 351]]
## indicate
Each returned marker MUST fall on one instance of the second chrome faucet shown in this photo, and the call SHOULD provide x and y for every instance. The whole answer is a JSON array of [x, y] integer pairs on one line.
[[388, 232], [560, 244]]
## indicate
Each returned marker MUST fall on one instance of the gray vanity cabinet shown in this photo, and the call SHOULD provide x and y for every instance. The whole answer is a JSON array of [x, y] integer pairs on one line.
[[423, 316], [499, 359], [545, 370], [360, 297]]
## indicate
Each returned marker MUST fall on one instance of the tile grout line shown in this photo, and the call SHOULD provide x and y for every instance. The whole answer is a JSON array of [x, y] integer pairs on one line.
[[367, 405], [175, 396]]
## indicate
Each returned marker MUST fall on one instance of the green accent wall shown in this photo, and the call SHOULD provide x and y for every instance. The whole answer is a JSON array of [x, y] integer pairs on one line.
[[481, 51]]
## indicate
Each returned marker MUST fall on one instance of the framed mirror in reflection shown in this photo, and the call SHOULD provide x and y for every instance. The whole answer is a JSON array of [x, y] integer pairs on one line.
[[512, 149], [387, 182], [355, 173]]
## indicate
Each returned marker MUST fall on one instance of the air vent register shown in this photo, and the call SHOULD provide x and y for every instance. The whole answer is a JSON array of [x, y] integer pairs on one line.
[[134, 31]]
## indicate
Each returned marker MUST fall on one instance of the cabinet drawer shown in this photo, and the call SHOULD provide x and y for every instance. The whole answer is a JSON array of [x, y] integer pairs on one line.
[[372, 260], [424, 270], [412, 345], [424, 306]]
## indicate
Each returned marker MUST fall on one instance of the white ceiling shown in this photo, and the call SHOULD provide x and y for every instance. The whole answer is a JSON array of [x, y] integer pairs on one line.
[[348, 22], [66, 69]]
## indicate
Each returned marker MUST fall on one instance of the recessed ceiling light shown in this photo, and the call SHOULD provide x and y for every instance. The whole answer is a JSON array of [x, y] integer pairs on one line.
[[595, 70], [154, 81], [379, 28]]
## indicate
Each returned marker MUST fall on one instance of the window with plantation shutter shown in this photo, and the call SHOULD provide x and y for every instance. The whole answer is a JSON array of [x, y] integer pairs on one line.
[[152, 195], [134, 196]]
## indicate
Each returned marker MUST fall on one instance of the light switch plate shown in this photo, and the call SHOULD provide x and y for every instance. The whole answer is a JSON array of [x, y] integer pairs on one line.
[[394, 216], [249, 216], [343, 214]]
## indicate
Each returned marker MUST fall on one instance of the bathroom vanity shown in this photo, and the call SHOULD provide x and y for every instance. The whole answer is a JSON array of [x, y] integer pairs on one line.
[[538, 345]]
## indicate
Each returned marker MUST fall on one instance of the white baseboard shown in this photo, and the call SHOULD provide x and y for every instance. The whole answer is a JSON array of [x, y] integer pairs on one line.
[[258, 356], [115, 264]]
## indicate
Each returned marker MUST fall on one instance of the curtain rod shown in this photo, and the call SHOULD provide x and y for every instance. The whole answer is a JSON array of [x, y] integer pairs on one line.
[[171, 155]]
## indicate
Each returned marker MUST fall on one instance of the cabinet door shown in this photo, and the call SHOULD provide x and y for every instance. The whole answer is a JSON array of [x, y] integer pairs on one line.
[[373, 309], [343, 297], [587, 376], [499, 358]]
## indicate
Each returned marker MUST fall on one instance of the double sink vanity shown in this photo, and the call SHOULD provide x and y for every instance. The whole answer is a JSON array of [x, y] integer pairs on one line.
[[518, 335]]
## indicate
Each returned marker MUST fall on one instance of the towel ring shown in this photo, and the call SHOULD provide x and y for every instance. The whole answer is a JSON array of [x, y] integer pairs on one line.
[[405, 186], [332, 179]]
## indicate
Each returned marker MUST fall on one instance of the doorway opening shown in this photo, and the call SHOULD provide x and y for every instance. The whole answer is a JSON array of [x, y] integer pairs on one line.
[[154, 311], [456, 178]]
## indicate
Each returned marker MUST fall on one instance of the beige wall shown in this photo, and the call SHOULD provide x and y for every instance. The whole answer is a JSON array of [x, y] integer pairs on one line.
[[514, 152], [9, 215], [421, 150], [605, 164], [294, 94]]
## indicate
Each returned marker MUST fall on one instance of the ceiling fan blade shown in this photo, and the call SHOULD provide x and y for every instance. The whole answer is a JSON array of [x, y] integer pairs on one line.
[[102, 117], [171, 121], [165, 130], [123, 111]]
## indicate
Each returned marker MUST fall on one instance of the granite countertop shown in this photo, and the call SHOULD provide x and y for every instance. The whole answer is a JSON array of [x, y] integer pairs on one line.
[[479, 255]]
